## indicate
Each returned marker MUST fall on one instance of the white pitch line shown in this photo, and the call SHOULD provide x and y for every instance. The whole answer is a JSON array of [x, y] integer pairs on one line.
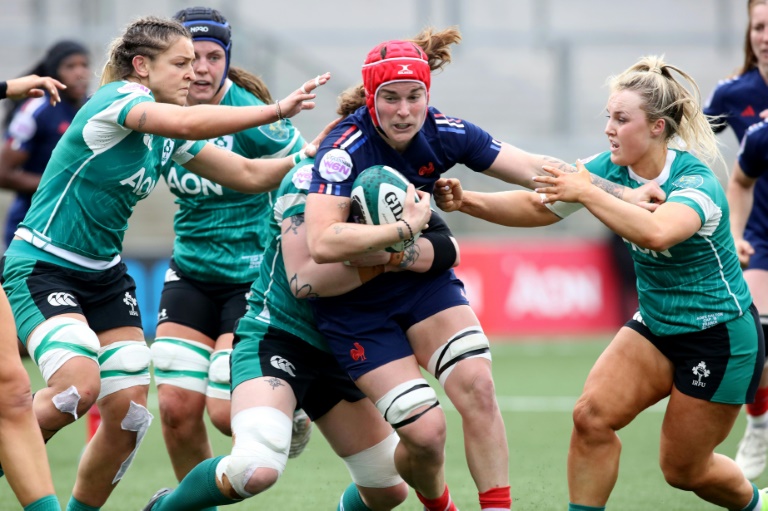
[[533, 404]]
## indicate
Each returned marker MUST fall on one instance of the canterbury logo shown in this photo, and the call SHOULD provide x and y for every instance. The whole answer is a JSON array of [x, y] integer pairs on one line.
[[405, 69], [279, 362], [59, 299]]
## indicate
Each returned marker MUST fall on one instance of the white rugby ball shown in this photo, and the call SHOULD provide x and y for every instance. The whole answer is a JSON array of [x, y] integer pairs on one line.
[[378, 196]]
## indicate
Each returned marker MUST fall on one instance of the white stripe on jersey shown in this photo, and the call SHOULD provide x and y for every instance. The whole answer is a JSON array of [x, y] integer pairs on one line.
[[287, 201], [712, 212], [450, 122], [102, 132], [351, 140], [37, 240], [722, 275]]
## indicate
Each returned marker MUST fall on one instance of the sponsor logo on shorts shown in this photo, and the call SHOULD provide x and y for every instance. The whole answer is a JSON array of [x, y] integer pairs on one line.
[[162, 315], [131, 302], [358, 352], [171, 276], [279, 362], [701, 371], [59, 299]]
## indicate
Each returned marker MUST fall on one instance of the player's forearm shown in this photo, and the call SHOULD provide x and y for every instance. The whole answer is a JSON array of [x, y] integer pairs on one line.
[[740, 202]]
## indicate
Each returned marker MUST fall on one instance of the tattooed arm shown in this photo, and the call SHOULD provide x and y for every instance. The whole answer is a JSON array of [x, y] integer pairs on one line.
[[514, 165]]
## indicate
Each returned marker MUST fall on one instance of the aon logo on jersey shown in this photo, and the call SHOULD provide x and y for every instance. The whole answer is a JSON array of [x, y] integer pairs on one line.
[[192, 184], [648, 251], [142, 185]]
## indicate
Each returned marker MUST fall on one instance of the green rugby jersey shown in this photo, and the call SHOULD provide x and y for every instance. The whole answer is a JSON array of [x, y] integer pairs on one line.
[[697, 283], [97, 173], [271, 299], [221, 233]]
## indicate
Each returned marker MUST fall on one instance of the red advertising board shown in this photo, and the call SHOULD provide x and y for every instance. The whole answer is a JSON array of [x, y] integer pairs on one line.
[[542, 287]]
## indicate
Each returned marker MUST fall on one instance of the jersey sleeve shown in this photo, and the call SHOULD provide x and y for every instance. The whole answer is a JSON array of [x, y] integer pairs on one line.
[[185, 150], [467, 143], [697, 191], [292, 194], [275, 140], [333, 172], [753, 153], [23, 127]]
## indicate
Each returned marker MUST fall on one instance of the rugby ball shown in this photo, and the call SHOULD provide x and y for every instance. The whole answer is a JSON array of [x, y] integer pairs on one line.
[[378, 195]]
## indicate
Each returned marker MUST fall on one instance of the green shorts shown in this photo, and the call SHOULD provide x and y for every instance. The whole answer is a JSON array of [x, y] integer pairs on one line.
[[722, 364]]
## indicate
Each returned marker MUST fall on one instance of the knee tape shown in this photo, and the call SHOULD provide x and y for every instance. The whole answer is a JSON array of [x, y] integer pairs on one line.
[[123, 364], [400, 402], [218, 375], [375, 467], [59, 339], [137, 419], [468, 343], [262, 439], [67, 401], [181, 363]]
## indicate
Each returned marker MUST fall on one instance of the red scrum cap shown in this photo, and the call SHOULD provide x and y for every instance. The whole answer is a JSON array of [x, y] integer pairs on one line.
[[393, 61]]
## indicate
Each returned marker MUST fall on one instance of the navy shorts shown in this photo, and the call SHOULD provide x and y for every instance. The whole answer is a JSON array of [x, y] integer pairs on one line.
[[209, 308], [759, 260], [367, 335]]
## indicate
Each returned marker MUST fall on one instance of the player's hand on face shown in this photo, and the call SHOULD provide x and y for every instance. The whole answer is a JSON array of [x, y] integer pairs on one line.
[[649, 196], [745, 251], [299, 99], [448, 194], [563, 186], [417, 214]]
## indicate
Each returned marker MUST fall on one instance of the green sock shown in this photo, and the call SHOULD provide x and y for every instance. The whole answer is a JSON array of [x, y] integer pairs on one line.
[[196, 491], [351, 500], [757, 503], [76, 505], [47, 503], [578, 507]]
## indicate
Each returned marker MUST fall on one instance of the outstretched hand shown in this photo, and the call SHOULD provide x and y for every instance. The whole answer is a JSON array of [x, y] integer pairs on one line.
[[33, 86], [299, 99], [448, 194], [564, 186]]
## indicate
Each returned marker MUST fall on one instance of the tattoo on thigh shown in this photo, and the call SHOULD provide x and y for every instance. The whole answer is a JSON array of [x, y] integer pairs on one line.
[[275, 382], [410, 256]]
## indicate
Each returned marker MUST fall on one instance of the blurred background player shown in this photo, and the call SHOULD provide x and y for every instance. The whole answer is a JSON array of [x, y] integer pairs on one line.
[[34, 126], [738, 102], [220, 238], [22, 449], [73, 300]]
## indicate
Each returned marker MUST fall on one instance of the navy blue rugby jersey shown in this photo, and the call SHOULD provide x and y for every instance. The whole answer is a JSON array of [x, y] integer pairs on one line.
[[739, 100], [753, 160], [355, 144]]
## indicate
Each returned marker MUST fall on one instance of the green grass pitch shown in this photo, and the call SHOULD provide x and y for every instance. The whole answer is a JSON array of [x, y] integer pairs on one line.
[[537, 383]]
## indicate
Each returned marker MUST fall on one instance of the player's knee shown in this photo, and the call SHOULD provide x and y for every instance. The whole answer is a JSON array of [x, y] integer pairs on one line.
[[682, 476], [179, 407], [407, 403], [587, 419], [219, 375], [220, 416], [467, 343], [124, 364], [262, 440], [58, 340], [181, 363], [374, 468]]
